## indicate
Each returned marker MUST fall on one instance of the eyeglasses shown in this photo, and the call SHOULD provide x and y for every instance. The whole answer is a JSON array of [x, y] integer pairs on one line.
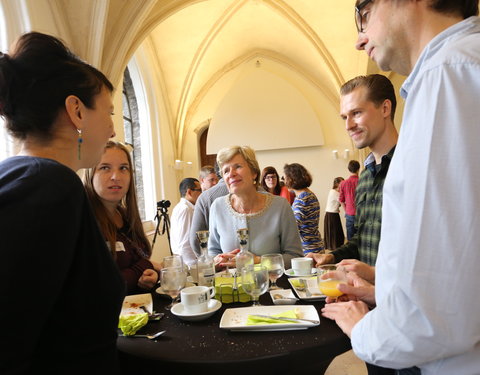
[[361, 18], [271, 177]]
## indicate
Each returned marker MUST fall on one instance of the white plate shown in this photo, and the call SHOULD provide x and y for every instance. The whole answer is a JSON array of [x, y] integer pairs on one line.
[[312, 287], [290, 273], [159, 290], [287, 297], [179, 310], [131, 304], [235, 319]]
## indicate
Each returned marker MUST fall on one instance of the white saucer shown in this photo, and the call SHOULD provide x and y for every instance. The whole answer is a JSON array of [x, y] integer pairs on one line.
[[179, 310], [290, 273]]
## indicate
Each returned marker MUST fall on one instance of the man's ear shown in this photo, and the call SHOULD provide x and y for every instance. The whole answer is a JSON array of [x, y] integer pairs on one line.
[[73, 107], [387, 108]]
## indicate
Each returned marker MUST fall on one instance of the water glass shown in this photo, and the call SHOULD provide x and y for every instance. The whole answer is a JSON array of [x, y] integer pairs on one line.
[[174, 260], [255, 281], [275, 266], [172, 281]]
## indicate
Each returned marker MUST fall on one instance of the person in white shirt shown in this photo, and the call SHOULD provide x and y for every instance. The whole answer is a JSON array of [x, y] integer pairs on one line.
[[332, 228], [427, 272], [181, 220]]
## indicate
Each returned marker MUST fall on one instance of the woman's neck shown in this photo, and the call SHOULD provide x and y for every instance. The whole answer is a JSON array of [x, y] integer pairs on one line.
[[115, 215], [248, 203], [59, 150], [300, 191]]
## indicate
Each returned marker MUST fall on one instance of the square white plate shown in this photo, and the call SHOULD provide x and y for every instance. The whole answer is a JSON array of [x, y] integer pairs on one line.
[[283, 297], [131, 304], [235, 319], [312, 287]]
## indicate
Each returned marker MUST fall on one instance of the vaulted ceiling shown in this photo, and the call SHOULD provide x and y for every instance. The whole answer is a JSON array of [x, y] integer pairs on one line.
[[198, 42]]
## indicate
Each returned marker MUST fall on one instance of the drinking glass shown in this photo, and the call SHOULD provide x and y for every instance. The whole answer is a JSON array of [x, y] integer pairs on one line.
[[329, 276], [275, 266], [174, 260], [255, 281], [172, 281]]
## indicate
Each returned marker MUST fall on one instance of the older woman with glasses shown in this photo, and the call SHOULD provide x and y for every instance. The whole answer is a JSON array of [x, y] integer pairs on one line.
[[269, 218], [271, 183]]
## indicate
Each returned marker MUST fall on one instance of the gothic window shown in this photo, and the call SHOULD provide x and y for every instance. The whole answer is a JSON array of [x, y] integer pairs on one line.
[[131, 126]]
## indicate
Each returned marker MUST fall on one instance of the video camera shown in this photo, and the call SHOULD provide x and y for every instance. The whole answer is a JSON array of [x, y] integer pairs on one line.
[[163, 204], [162, 215]]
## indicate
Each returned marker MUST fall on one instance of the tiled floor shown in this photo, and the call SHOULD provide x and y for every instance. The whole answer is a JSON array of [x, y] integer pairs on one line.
[[347, 364]]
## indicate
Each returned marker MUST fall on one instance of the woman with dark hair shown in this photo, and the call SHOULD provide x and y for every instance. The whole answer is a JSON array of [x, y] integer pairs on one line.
[[54, 257], [332, 225], [270, 182], [111, 191], [305, 207]]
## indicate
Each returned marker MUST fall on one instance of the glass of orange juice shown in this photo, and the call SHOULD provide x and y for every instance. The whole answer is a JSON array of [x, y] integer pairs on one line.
[[328, 278]]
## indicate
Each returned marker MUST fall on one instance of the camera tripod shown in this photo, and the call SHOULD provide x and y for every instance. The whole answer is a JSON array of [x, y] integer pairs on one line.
[[162, 214]]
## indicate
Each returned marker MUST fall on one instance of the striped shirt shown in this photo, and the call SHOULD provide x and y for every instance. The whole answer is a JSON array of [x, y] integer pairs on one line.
[[368, 220], [307, 214]]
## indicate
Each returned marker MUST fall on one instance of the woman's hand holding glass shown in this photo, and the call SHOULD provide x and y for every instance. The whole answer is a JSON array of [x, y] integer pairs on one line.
[[255, 281], [173, 280], [275, 266]]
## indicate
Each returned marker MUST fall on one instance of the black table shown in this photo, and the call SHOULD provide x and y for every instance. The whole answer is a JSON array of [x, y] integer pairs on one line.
[[202, 346]]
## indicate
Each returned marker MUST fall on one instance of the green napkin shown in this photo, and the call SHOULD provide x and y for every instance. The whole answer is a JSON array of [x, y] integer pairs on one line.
[[130, 324], [298, 283], [225, 293], [254, 320]]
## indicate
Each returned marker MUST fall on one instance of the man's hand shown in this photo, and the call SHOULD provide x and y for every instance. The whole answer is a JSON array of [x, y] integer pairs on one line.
[[345, 314], [319, 259], [361, 269], [357, 289]]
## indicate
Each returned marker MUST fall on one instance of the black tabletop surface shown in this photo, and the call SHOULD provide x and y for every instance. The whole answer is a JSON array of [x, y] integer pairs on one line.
[[203, 346]]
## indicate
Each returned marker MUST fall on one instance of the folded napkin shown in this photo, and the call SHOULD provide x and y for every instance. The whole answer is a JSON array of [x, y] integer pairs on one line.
[[130, 324], [225, 293], [298, 283], [254, 319]]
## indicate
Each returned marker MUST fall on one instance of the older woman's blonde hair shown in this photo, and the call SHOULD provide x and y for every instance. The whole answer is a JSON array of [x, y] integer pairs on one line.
[[228, 153]]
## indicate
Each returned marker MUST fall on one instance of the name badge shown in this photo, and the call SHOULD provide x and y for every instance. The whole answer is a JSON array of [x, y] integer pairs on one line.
[[118, 246]]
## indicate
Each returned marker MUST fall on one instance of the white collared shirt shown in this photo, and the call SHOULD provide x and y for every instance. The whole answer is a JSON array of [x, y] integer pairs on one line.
[[428, 266], [180, 223]]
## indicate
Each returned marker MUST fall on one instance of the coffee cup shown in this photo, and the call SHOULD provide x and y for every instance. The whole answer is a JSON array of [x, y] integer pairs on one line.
[[195, 298], [302, 266]]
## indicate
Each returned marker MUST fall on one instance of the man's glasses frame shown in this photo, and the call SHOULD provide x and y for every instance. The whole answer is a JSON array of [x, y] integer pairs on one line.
[[360, 19]]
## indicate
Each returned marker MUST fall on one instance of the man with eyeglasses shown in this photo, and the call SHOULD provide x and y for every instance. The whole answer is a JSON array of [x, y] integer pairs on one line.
[[181, 220], [428, 268]]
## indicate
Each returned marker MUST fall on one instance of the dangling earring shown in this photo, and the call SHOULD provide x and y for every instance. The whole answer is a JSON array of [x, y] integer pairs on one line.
[[79, 141]]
